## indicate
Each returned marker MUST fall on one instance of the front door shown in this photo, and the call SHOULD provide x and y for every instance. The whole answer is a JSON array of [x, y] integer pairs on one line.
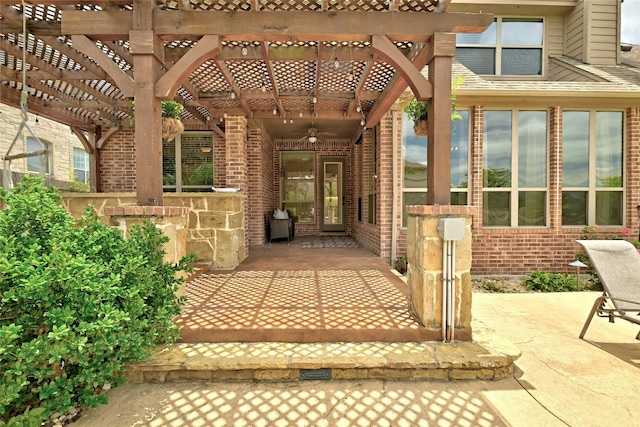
[[333, 197]]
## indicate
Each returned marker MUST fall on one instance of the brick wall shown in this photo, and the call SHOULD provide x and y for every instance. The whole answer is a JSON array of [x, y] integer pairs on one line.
[[518, 251], [362, 165], [118, 162], [260, 173], [321, 148]]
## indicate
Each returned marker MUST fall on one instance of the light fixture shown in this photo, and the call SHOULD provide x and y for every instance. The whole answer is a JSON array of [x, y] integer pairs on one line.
[[233, 95], [336, 64], [284, 121], [244, 51], [263, 88], [350, 77], [205, 149], [358, 108], [313, 139], [362, 122], [275, 111], [315, 100], [300, 115], [225, 115]]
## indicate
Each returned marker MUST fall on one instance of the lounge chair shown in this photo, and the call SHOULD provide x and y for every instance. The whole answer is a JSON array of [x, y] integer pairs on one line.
[[617, 263]]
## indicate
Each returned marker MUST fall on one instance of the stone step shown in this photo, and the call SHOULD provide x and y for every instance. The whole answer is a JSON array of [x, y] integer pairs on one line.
[[489, 357]]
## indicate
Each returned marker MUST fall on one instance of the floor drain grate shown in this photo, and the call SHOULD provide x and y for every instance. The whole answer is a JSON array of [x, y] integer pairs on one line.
[[315, 374]]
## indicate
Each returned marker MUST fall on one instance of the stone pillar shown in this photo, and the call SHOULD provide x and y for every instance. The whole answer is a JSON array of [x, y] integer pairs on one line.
[[172, 220], [424, 250]]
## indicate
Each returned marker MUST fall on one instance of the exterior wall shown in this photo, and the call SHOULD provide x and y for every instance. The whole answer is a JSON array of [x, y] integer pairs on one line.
[[118, 162], [261, 182], [321, 148], [574, 32], [592, 34], [59, 136], [519, 250]]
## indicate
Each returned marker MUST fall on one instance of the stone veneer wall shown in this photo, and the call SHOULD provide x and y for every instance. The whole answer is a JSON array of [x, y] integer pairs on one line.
[[214, 222], [425, 267]]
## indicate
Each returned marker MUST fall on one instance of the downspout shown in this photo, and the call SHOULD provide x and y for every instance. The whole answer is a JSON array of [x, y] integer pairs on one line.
[[394, 182]]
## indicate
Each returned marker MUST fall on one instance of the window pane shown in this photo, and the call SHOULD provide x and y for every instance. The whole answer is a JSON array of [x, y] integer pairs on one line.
[[575, 149], [609, 149], [169, 162], [459, 199], [497, 149], [460, 151], [521, 62], [522, 31], [197, 158], [574, 208], [479, 60], [298, 184], [409, 199], [532, 149], [532, 208], [609, 207], [414, 161], [487, 37], [39, 164], [496, 209]]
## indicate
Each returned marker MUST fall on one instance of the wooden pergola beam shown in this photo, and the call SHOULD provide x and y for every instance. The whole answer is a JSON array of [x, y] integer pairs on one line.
[[420, 86], [124, 82], [206, 48], [254, 26]]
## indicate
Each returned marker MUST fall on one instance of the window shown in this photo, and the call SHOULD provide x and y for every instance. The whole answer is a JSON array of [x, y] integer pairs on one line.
[[187, 162], [42, 162], [81, 165], [515, 168], [414, 163], [592, 147], [297, 185], [509, 46]]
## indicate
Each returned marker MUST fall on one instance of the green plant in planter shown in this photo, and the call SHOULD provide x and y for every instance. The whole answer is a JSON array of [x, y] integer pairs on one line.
[[417, 110], [171, 109]]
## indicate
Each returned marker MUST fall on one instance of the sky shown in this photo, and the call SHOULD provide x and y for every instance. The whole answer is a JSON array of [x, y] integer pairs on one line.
[[631, 22]]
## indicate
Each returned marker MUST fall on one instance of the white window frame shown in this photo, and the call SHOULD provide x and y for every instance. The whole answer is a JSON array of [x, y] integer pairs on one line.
[[179, 187], [46, 145], [514, 190], [592, 189], [86, 169], [498, 46]]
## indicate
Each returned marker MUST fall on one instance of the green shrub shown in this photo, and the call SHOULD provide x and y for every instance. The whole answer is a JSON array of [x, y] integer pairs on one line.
[[550, 282], [78, 302]]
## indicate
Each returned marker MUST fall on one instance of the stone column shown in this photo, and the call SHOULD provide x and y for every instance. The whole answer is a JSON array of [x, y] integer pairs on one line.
[[424, 250]]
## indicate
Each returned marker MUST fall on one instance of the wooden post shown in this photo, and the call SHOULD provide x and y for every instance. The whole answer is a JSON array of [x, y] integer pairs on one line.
[[439, 118], [94, 161], [145, 46]]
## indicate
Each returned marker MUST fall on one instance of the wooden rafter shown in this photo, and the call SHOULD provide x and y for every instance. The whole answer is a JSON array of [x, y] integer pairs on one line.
[[275, 93]]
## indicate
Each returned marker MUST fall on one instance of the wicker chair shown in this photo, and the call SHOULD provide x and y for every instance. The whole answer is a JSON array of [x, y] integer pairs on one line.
[[280, 228]]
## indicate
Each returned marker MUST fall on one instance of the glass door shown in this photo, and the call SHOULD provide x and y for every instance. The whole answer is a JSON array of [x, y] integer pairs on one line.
[[333, 194]]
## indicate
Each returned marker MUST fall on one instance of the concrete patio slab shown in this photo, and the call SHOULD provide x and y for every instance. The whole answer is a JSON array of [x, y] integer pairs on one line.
[[560, 380]]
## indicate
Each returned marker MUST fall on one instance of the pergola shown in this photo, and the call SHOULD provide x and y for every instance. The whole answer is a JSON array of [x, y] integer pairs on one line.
[[273, 61]]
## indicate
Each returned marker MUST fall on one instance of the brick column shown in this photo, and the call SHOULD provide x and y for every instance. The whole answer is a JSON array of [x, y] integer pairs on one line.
[[632, 168], [424, 249], [236, 160], [555, 168]]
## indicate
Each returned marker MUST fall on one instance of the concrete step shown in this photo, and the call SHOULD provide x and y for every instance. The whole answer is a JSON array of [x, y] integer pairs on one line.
[[489, 357]]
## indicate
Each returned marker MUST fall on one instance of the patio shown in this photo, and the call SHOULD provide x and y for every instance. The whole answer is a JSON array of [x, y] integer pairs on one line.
[[316, 289]]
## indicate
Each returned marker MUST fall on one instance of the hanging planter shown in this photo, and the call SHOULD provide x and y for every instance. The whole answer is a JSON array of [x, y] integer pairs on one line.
[[171, 128], [417, 110], [421, 127], [171, 124]]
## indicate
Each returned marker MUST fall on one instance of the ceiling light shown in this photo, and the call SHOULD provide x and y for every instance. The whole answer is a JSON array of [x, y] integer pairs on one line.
[[336, 64], [244, 51], [362, 122], [312, 139], [233, 95], [275, 111], [350, 77], [225, 115], [315, 100], [300, 115], [358, 108], [263, 88]]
